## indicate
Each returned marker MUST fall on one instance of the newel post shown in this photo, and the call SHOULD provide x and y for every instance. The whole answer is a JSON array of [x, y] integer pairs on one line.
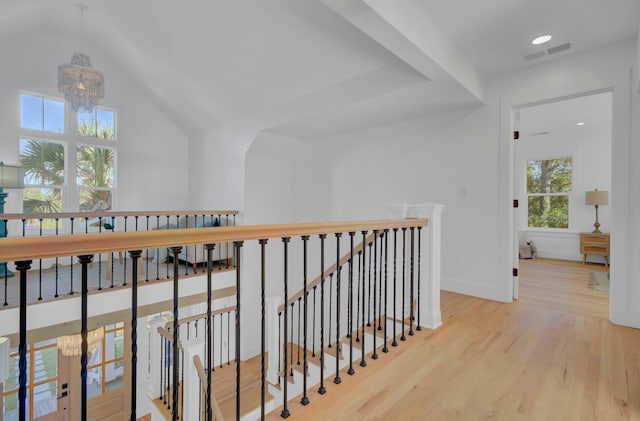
[[429, 262], [192, 386]]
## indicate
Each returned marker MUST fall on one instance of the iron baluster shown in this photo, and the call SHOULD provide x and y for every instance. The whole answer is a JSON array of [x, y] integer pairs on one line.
[[322, 390], [285, 242], [418, 325], [395, 272], [404, 263], [412, 229], [330, 295], [337, 379], [263, 384], [174, 355], [351, 371], [22, 267], [135, 255], [374, 356], [363, 362], [386, 299], [305, 399], [84, 262]]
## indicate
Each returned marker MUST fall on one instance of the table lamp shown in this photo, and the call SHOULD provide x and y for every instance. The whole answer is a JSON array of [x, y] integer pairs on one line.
[[597, 198]]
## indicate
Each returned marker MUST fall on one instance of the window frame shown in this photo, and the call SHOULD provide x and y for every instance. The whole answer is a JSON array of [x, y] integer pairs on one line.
[[31, 383], [71, 139], [568, 194], [117, 327]]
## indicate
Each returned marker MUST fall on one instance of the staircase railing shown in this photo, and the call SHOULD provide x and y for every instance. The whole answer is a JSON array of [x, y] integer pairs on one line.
[[250, 318], [58, 276]]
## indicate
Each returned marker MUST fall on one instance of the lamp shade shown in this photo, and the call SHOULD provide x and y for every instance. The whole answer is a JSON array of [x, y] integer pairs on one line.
[[4, 359], [596, 197], [11, 177]]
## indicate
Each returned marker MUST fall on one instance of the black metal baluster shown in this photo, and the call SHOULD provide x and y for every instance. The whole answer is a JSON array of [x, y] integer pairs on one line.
[[188, 330], [57, 231], [330, 295], [412, 229], [221, 317], [386, 298], [291, 341], [380, 284], [209, 410], [146, 263], [285, 241], [351, 371], [186, 249], [337, 379], [71, 265], [313, 345], [157, 251], [99, 257], [213, 338], [305, 398], [124, 267], [226, 217], [84, 358], [176, 330], [22, 266], [363, 362], [358, 298], [418, 325], [263, 350], [369, 290], [220, 246], [374, 356], [404, 262], [113, 228], [175, 257], [322, 390], [395, 272], [135, 255], [299, 326], [40, 270], [238, 245]]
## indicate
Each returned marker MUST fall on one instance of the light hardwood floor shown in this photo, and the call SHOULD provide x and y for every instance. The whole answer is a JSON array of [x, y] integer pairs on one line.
[[552, 355]]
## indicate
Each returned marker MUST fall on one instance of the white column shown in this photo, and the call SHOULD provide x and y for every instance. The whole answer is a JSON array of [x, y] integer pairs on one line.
[[156, 352], [430, 315], [271, 316], [191, 385]]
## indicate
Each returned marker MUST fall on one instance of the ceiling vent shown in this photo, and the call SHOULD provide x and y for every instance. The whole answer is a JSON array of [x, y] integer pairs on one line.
[[549, 51], [559, 48]]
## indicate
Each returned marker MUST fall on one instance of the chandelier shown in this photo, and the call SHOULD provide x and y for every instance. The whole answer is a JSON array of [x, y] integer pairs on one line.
[[71, 346], [81, 85]]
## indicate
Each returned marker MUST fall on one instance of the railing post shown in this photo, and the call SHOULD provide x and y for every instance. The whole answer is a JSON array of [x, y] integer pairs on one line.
[[429, 265], [23, 267], [191, 383]]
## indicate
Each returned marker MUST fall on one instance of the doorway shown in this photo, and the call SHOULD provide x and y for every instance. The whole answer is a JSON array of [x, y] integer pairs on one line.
[[563, 151]]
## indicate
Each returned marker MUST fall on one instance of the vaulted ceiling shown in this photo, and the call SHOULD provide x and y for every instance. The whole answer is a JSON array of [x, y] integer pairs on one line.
[[311, 68]]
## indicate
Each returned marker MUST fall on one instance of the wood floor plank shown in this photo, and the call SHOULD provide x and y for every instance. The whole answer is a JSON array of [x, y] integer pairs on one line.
[[552, 354]]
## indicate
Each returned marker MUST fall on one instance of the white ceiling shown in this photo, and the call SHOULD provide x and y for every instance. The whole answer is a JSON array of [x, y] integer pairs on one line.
[[497, 34], [559, 119], [313, 68]]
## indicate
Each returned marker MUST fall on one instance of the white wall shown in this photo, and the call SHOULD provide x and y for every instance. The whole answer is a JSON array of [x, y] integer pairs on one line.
[[603, 69], [463, 160], [152, 151], [591, 168]]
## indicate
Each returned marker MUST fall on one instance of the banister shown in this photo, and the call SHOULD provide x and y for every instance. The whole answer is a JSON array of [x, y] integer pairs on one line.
[[202, 374], [16, 249], [108, 214], [343, 260]]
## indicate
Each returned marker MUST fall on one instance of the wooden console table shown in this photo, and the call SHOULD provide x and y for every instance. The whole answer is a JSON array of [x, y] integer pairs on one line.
[[591, 243]]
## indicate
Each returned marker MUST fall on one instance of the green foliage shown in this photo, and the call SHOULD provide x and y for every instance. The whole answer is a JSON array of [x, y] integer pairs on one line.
[[548, 185]]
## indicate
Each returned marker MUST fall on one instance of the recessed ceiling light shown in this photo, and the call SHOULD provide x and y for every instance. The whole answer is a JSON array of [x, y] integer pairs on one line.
[[541, 39], [580, 123]]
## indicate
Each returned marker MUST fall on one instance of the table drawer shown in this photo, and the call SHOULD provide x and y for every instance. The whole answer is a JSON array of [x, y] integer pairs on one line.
[[591, 249], [595, 239]]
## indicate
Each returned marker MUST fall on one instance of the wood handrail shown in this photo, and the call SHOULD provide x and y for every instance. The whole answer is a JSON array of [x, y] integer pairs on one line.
[[202, 374], [169, 336], [202, 316], [109, 214], [30, 248], [343, 260]]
